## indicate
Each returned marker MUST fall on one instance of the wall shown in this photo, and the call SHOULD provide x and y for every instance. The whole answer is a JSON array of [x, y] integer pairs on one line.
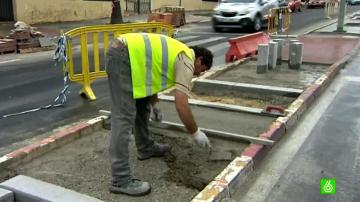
[[39, 11], [36, 11], [187, 4]]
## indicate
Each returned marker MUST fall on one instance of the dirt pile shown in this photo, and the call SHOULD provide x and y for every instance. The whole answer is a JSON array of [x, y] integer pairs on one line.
[[190, 165]]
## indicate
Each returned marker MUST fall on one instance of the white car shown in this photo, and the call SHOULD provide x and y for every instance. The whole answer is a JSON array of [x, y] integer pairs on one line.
[[242, 14]]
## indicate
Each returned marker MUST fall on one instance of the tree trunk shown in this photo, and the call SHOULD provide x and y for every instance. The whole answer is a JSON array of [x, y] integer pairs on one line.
[[116, 16]]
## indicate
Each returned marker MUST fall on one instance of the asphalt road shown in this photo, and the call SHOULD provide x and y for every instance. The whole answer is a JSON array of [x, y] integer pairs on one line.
[[30, 80]]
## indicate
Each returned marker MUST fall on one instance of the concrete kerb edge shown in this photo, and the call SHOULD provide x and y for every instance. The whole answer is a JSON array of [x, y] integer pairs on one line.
[[56, 140], [319, 27], [227, 181]]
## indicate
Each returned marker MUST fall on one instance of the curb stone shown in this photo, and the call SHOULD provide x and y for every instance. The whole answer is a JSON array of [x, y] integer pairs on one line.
[[226, 182], [56, 140]]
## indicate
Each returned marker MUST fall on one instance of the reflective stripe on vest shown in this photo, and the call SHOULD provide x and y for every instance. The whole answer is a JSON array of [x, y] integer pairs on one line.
[[152, 59]]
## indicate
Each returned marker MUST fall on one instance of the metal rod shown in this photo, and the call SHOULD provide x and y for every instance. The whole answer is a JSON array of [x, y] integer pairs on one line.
[[228, 107], [215, 133]]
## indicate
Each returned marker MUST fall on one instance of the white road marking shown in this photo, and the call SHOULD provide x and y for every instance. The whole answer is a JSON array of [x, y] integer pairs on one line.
[[7, 61], [186, 38], [352, 78], [222, 46], [198, 42]]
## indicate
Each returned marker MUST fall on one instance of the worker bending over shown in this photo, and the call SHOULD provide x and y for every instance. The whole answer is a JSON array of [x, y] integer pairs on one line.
[[139, 65]]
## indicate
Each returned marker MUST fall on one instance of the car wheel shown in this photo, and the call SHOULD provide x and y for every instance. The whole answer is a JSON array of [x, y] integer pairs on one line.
[[257, 23]]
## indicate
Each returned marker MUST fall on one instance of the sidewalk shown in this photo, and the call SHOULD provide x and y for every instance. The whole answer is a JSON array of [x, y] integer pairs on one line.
[[53, 29], [351, 26]]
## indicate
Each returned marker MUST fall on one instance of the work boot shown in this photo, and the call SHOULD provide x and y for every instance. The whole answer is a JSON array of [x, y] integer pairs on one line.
[[157, 150], [133, 187]]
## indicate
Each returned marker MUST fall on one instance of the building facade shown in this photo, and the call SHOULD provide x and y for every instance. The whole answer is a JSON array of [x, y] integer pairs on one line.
[[39, 11]]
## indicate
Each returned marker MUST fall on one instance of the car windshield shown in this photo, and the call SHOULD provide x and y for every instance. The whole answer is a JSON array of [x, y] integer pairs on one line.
[[238, 1]]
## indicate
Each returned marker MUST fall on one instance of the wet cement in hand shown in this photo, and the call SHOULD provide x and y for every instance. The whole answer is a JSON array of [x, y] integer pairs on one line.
[[190, 165]]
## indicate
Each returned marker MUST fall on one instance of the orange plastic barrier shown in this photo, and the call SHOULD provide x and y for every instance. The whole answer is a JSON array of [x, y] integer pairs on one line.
[[245, 46]]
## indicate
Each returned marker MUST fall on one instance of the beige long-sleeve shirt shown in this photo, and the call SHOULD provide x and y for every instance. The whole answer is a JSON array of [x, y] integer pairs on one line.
[[184, 72]]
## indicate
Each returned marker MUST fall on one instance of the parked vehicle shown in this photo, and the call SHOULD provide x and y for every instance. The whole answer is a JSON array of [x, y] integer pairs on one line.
[[353, 2], [315, 4], [295, 5], [242, 14]]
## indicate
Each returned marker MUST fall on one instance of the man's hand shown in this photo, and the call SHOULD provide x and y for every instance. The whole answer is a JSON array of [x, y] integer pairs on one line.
[[201, 139]]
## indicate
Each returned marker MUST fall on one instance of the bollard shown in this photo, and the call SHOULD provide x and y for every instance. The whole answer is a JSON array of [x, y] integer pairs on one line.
[[272, 55], [280, 43], [291, 42], [296, 55], [263, 58]]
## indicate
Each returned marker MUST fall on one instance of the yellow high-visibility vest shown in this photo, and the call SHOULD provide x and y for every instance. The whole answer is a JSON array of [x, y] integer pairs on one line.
[[152, 60]]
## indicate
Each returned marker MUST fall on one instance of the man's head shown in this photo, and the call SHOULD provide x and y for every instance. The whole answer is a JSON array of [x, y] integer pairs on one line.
[[203, 59]]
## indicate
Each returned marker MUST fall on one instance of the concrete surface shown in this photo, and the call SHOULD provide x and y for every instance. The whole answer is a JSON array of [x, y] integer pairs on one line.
[[222, 88], [248, 100], [282, 76], [6, 195], [27, 189], [83, 166], [325, 144], [233, 122]]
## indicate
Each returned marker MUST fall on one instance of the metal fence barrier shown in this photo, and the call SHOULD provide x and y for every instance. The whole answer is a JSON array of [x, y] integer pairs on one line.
[[332, 8], [97, 37], [279, 20]]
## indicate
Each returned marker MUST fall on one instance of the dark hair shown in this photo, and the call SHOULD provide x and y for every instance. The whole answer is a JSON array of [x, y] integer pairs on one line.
[[205, 53]]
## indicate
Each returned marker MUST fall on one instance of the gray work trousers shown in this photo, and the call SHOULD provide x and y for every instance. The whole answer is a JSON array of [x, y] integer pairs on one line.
[[127, 114]]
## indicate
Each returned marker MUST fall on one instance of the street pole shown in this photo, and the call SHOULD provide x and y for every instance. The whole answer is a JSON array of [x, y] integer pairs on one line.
[[179, 2], [341, 17]]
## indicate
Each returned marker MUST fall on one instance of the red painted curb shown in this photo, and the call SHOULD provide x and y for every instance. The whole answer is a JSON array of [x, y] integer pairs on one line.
[[39, 148], [317, 91], [308, 95], [275, 132], [255, 151]]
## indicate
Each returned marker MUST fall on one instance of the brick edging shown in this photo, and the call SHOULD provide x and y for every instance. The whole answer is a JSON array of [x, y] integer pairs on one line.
[[237, 171], [52, 142]]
